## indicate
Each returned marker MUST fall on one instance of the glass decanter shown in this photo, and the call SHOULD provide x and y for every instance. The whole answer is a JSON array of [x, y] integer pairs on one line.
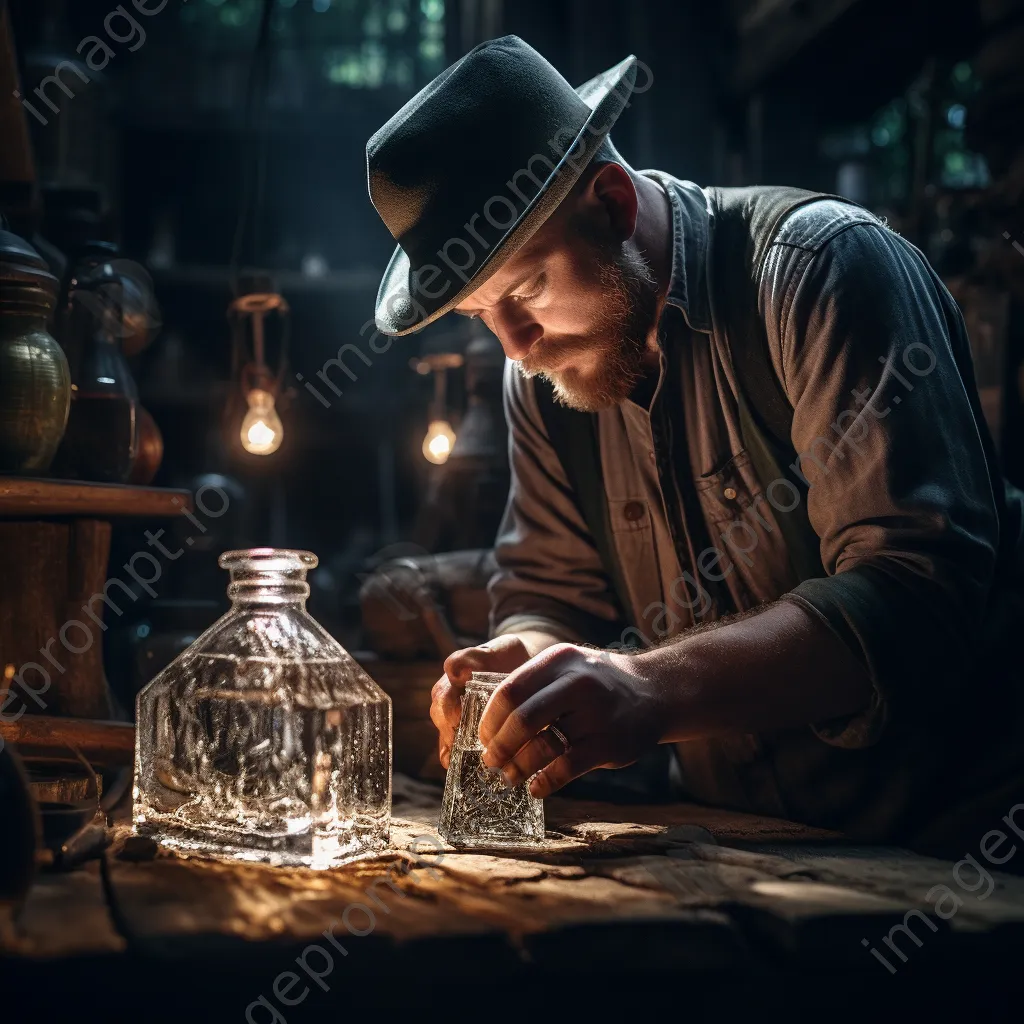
[[265, 740], [478, 810]]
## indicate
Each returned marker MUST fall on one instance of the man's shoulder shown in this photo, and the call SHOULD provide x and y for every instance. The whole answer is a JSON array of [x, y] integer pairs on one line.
[[814, 224], [784, 216]]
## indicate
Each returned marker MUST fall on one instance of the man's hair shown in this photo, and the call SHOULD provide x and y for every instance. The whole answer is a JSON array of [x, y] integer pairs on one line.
[[608, 154]]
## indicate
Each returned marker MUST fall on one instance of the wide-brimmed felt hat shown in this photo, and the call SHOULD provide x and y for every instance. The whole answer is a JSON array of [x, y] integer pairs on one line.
[[468, 170]]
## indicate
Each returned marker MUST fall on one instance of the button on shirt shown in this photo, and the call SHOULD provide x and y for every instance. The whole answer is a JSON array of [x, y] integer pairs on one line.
[[920, 538]]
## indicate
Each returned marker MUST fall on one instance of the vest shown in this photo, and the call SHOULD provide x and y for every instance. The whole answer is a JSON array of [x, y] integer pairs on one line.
[[743, 225]]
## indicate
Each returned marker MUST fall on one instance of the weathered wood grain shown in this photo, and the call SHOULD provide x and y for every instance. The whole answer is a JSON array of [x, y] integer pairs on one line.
[[627, 889], [600, 823]]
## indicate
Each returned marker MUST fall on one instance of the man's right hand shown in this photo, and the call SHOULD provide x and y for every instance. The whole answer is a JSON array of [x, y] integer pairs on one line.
[[502, 654]]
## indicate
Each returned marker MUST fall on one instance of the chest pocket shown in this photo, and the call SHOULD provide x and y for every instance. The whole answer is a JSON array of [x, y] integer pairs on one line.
[[748, 552]]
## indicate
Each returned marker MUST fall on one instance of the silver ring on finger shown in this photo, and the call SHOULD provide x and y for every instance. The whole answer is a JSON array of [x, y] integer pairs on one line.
[[562, 738]]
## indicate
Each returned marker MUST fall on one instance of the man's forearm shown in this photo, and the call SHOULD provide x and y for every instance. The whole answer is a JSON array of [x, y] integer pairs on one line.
[[777, 669]]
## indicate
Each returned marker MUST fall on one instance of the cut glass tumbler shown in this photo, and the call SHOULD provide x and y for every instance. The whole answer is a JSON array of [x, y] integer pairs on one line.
[[478, 810]]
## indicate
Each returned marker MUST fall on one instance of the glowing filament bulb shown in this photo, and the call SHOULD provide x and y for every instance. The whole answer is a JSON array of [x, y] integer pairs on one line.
[[437, 445], [262, 431]]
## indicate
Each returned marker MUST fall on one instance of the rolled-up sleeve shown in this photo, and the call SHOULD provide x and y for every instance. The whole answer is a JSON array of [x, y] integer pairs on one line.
[[871, 351], [549, 575]]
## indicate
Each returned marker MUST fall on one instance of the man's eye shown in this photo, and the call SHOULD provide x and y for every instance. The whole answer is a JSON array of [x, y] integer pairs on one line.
[[535, 289]]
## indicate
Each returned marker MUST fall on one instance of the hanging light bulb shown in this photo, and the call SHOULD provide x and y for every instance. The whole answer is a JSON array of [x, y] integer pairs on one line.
[[262, 430], [440, 438], [255, 296], [437, 445]]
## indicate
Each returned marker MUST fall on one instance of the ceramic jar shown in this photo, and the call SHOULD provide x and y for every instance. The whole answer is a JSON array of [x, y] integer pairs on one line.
[[35, 381]]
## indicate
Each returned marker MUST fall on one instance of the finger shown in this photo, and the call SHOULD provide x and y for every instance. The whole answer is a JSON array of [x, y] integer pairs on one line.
[[528, 720], [502, 654], [447, 699], [450, 700], [443, 754], [447, 691], [439, 716], [445, 731], [579, 760], [440, 687], [537, 754], [522, 684]]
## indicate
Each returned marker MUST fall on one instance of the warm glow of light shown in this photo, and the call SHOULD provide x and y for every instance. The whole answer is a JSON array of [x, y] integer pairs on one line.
[[260, 435], [262, 431], [819, 893], [437, 445]]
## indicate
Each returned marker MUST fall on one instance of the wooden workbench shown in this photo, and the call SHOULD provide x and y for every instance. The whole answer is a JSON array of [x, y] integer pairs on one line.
[[711, 910]]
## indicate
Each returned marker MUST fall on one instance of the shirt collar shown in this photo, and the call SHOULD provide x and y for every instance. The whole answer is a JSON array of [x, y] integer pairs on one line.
[[691, 219]]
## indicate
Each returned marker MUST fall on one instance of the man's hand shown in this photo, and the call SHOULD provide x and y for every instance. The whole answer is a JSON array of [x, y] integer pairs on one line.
[[502, 654], [608, 712], [776, 668]]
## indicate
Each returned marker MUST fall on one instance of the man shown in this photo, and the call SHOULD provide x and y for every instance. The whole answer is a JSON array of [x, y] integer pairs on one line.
[[748, 460]]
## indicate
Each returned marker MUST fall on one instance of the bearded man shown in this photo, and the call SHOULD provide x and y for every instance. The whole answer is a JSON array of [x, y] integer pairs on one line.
[[755, 510]]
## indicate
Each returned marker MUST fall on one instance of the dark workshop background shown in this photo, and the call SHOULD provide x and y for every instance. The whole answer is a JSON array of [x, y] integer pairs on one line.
[[912, 107]]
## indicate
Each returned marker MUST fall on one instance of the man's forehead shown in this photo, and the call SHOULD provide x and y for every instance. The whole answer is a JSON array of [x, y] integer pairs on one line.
[[522, 265]]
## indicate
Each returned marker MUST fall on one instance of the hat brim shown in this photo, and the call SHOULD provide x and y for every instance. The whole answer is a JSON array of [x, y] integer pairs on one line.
[[607, 95]]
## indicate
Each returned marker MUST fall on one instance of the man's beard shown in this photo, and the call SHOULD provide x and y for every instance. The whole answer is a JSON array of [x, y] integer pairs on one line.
[[616, 348]]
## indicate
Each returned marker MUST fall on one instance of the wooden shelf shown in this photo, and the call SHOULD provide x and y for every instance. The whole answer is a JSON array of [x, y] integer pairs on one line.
[[50, 738], [32, 496]]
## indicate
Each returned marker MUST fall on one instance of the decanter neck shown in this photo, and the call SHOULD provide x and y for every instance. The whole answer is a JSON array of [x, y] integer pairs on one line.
[[245, 595], [248, 588], [267, 578]]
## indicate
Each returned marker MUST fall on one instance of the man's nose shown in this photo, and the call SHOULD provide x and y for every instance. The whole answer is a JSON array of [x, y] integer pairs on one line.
[[517, 334]]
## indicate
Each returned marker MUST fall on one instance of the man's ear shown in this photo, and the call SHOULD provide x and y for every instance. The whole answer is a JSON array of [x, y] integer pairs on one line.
[[609, 196]]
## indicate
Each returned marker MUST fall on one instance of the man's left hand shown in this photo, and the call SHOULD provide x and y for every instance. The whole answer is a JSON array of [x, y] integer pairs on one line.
[[606, 709]]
